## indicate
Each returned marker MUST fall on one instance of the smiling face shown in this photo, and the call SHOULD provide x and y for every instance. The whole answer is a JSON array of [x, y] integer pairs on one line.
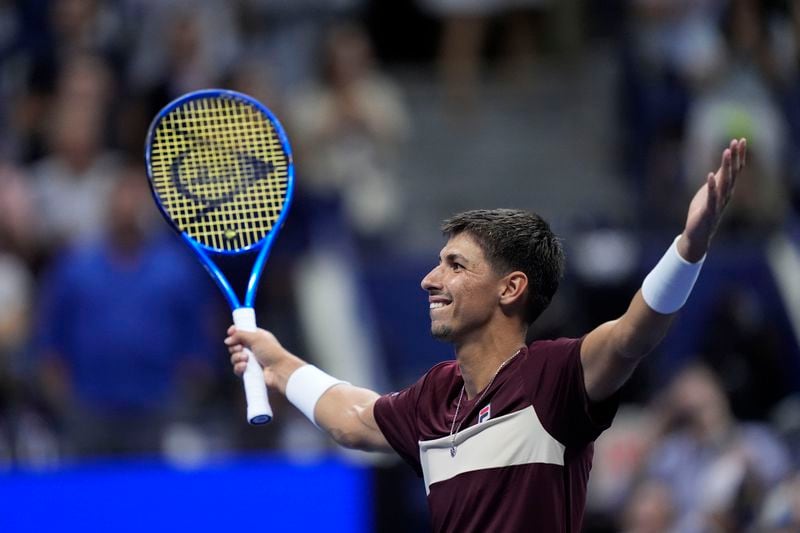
[[464, 291], [516, 240]]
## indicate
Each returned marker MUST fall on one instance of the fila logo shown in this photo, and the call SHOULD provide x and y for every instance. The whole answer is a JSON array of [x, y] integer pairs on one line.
[[485, 414]]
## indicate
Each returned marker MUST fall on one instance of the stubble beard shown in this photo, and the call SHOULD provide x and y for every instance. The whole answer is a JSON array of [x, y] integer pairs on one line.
[[441, 333]]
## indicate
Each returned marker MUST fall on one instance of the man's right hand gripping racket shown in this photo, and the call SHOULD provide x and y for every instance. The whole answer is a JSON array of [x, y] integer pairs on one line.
[[220, 168]]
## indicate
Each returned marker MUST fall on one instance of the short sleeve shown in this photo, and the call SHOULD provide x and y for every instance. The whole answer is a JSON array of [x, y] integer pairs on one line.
[[396, 416], [554, 381]]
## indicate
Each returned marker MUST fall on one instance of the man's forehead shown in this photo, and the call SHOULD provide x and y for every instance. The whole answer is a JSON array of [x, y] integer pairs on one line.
[[465, 245]]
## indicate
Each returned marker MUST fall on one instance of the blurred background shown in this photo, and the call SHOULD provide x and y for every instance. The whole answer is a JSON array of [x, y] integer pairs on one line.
[[604, 117]]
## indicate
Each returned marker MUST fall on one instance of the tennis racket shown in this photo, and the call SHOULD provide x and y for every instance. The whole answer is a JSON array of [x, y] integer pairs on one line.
[[220, 168]]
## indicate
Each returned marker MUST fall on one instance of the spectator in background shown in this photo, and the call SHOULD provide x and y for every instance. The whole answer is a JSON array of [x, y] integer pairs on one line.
[[669, 46], [650, 509], [19, 218], [71, 183], [465, 33], [51, 34], [83, 26], [183, 46], [347, 129], [718, 469], [16, 298], [694, 74], [121, 330], [17, 250], [287, 36], [254, 76], [737, 98]]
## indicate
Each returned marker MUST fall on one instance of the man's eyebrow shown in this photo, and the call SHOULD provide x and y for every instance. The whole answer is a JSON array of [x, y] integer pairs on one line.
[[456, 257]]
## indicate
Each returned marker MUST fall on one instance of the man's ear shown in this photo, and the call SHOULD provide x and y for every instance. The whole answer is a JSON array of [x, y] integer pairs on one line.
[[513, 288]]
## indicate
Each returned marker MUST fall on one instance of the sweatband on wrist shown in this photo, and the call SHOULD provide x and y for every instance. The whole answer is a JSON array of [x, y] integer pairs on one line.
[[306, 386], [667, 287]]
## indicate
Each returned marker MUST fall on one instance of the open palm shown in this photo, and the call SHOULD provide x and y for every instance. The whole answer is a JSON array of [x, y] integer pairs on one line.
[[710, 201]]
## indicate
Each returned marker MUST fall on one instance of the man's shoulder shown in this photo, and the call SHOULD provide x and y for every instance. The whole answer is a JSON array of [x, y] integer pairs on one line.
[[552, 356], [444, 367], [438, 373], [561, 345], [444, 371]]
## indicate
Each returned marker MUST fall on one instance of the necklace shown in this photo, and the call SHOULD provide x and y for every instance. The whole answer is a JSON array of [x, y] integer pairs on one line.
[[454, 434]]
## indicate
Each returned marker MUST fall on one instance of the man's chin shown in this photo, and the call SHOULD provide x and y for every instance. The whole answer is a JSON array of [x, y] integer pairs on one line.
[[441, 333]]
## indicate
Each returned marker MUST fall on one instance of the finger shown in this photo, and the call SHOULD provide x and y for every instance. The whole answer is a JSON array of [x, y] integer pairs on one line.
[[236, 348], [734, 148], [737, 166], [242, 336], [236, 336], [725, 174], [727, 155], [239, 369], [711, 199], [739, 158], [726, 187], [743, 146], [238, 358]]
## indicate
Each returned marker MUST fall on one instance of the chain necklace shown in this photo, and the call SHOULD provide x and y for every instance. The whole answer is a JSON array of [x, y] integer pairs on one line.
[[454, 434]]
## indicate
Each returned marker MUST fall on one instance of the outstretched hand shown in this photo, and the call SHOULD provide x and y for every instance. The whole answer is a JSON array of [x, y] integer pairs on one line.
[[709, 203]]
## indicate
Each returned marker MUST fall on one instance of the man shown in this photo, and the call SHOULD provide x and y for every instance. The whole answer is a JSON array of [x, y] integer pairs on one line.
[[503, 435], [135, 289]]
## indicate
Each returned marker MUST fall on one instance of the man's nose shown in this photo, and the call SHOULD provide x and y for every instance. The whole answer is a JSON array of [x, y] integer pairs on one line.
[[431, 280]]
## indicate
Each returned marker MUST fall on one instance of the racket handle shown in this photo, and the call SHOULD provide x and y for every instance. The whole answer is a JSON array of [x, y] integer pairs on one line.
[[255, 390]]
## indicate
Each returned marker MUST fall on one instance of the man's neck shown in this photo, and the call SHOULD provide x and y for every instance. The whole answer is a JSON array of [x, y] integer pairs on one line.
[[481, 359]]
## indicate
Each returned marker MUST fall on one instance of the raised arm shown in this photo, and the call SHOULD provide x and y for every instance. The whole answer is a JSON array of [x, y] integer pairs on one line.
[[611, 352], [342, 410]]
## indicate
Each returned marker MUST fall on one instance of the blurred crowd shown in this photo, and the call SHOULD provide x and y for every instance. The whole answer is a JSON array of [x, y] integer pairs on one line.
[[110, 331]]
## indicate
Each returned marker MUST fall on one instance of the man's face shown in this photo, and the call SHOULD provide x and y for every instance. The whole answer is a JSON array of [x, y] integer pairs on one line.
[[463, 290]]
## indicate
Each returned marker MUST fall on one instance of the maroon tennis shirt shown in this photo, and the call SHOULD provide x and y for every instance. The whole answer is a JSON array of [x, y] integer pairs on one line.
[[523, 452]]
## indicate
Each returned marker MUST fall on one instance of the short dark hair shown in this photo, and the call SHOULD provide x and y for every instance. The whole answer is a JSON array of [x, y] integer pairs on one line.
[[514, 239]]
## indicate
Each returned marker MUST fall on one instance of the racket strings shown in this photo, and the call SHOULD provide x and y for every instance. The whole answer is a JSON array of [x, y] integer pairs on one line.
[[220, 170]]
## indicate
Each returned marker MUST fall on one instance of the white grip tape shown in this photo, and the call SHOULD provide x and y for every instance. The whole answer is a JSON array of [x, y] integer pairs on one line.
[[306, 386], [667, 287], [255, 390]]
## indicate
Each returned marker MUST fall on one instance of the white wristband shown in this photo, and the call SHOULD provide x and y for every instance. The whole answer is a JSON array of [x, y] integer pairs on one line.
[[667, 287], [306, 386]]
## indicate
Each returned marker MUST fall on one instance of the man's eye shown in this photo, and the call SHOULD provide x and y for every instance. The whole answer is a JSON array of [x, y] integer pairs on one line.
[[457, 266]]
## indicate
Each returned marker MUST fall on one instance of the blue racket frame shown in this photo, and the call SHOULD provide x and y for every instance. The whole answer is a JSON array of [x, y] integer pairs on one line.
[[204, 252]]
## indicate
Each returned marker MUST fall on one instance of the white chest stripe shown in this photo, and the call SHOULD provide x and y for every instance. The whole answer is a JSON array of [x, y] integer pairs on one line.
[[514, 439]]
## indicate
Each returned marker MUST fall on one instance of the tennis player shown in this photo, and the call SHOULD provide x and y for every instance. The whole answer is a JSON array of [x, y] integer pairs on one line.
[[503, 435]]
